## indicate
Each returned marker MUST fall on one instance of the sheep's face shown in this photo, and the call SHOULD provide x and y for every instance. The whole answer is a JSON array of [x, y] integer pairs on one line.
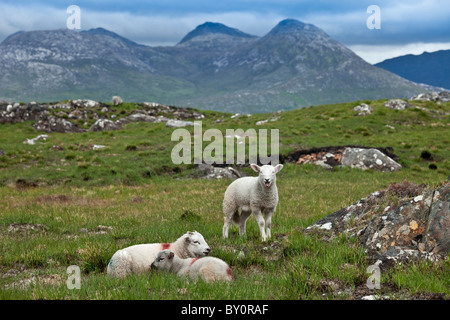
[[267, 173], [196, 244], [163, 260]]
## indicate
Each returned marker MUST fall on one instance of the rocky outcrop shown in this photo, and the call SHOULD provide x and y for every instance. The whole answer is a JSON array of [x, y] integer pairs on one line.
[[363, 109], [58, 117], [397, 104], [443, 96], [48, 123], [417, 227], [15, 112], [380, 159]]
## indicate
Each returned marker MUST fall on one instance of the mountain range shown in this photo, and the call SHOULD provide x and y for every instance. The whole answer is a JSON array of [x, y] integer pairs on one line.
[[432, 68], [213, 67]]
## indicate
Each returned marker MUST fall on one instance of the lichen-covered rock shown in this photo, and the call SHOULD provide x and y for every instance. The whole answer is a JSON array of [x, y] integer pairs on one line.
[[368, 159], [418, 227], [397, 104], [104, 125], [363, 109]]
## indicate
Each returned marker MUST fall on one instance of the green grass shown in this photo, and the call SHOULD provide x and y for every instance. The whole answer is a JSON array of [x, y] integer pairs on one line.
[[132, 187]]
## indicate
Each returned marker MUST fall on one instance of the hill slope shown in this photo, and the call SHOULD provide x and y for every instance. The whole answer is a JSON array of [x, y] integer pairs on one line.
[[430, 68]]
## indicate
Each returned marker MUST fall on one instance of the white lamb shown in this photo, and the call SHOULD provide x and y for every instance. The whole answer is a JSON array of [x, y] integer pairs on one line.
[[252, 194], [116, 100], [138, 258], [209, 268]]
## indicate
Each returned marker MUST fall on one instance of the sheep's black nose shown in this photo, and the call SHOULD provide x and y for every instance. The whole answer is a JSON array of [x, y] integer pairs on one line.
[[207, 250], [266, 180]]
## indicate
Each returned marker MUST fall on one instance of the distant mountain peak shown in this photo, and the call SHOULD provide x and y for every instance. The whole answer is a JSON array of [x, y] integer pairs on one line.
[[290, 23], [214, 28], [292, 26]]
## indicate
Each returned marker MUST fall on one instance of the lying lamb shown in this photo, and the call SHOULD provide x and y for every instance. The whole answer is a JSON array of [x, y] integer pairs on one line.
[[252, 194], [138, 258], [209, 268]]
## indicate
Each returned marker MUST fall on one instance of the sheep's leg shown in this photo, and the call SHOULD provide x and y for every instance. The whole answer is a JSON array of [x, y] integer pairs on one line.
[[261, 224], [268, 218], [226, 226], [242, 223]]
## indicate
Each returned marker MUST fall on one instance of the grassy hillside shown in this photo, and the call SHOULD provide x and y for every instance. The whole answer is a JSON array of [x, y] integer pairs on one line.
[[63, 204]]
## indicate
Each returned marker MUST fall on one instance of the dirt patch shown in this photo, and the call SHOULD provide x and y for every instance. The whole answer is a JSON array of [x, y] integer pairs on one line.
[[57, 198], [25, 184]]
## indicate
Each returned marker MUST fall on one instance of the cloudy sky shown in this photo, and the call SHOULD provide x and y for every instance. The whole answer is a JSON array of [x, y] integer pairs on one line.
[[407, 26]]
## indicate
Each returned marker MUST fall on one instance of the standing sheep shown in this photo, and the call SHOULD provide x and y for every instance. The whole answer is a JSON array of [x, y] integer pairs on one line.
[[138, 258], [252, 194], [116, 100], [209, 268]]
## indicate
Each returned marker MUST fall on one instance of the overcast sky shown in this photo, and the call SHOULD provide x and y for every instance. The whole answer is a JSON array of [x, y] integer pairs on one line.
[[407, 26]]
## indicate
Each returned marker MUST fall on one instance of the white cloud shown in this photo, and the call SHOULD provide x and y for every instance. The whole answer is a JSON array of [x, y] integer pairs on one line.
[[377, 53]]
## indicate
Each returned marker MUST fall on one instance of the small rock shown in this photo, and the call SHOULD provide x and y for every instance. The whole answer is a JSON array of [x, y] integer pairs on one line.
[[397, 104], [98, 147], [33, 141], [104, 125], [363, 109], [368, 159], [172, 123]]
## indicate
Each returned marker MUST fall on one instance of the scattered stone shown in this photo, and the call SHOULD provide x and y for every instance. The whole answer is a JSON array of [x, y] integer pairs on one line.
[[261, 122], [42, 137], [397, 104], [208, 171], [56, 148], [104, 125], [78, 114], [99, 230], [363, 109], [2, 153], [98, 147], [26, 228], [86, 103], [172, 123]]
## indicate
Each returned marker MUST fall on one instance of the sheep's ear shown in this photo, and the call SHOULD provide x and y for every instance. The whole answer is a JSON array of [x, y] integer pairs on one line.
[[255, 167], [171, 254], [187, 239], [278, 168]]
